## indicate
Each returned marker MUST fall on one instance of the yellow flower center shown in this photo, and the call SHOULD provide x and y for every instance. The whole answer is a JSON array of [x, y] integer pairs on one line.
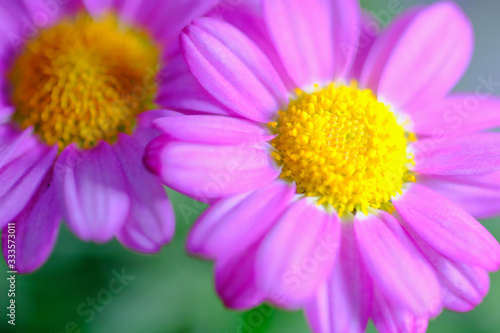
[[342, 145], [84, 80]]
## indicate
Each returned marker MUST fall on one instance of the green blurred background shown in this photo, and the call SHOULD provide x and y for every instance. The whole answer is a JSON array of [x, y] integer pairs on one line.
[[172, 292]]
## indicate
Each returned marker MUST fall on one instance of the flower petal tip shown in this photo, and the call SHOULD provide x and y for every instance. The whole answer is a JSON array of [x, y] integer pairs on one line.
[[152, 155]]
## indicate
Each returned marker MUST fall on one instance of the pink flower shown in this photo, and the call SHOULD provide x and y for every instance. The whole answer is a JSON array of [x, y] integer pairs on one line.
[[355, 201], [74, 76]]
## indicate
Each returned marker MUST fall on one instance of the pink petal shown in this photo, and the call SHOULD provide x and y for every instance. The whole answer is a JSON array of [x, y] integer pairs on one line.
[[428, 58], [248, 18], [233, 224], [179, 81], [464, 286], [479, 195], [92, 191], [469, 155], [12, 35], [45, 13], [210, 171], [453, 302], [23, 165], [235, 281], [146, 119], [376, 60], [167, 18], [163, 19], [298, 253], [305, 36], [346, 18], [447, 228], [7, 134], [97, 7], [5, 112], [14, 144], [343, 303], [390, 318], [396, 266], [144, 131], [10, 11], [36, 230], [151, 222], [188, 11], [220, 56], [457, 115], [369, 30], [213, 130]]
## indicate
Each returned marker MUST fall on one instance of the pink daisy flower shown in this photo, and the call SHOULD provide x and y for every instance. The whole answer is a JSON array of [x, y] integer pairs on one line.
[[74, 76], [344, 176]]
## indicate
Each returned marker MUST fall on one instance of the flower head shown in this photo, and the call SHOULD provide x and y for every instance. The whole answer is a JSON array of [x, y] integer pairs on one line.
[[76, 78], [69, 84], [344, 147], [337, 182]]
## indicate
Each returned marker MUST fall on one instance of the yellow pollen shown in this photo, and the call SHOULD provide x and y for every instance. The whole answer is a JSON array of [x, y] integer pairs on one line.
[[84, 80], [342, 145]]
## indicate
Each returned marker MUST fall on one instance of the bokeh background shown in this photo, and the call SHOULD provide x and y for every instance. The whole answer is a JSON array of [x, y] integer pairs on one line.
[[172, 292]]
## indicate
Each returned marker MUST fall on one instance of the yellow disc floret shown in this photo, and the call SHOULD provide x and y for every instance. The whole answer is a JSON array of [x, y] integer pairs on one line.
[[84, 80], [342, 145]]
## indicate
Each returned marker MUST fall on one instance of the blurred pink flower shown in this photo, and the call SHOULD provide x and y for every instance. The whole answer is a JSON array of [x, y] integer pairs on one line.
[[74, 75], [395, 258]]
